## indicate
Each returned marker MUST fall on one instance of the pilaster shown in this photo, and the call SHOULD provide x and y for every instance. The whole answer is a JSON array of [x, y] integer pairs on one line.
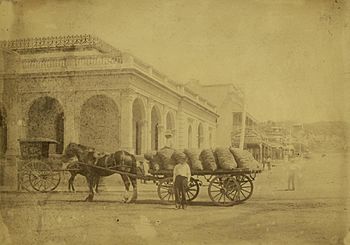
[[71, 120], [205, 142], [127, 98]]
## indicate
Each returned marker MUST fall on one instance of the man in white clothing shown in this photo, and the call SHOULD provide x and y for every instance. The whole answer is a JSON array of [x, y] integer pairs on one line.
[[181, 176]]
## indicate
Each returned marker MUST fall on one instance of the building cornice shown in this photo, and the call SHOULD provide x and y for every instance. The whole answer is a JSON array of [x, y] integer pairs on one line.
[[108, 72], [45, 44]]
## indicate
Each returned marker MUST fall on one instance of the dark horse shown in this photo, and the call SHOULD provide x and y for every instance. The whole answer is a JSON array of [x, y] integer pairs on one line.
[[119, 161], [74, 169]]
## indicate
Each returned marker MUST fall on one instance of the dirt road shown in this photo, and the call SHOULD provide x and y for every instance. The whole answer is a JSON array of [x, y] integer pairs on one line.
[[317, 212]]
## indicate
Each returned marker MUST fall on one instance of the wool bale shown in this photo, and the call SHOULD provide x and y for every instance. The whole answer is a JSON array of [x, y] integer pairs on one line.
[[153, 160], [225, 158], [193, 159], [179, 157], [244, 159], [166, 161], [208, 160]]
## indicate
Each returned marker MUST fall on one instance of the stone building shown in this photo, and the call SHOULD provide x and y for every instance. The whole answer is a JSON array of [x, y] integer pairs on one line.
[[228, 99], [80, 89]]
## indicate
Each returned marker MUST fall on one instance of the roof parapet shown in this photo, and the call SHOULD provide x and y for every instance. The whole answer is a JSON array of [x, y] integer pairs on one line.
[[57, 43]]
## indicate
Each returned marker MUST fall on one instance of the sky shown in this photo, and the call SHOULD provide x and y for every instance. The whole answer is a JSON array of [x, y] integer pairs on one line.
[[290, 56]]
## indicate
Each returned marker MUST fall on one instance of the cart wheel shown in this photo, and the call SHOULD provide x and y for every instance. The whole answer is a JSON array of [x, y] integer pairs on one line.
[[166, 189], [42, 178], [23, 177], [192, 190], [223, 190], [246, 187]]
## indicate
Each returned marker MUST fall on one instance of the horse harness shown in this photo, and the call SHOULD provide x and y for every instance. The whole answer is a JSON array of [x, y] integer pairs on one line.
[[110, 161]]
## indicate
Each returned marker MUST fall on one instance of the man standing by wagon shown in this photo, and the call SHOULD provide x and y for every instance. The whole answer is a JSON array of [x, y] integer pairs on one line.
[[181, 176]]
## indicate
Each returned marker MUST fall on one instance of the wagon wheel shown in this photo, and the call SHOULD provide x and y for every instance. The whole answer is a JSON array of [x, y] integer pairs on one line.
[[23, 176], [192, 190], [223, 190], [42, 178], [246, 187], [166, 189]]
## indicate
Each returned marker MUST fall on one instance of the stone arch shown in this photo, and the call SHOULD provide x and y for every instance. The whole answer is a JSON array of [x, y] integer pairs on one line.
[[83, 96], [46, 120], [170, 121], [155, 127], [200, 135], [138, 119], [100, 124], [3, 131]]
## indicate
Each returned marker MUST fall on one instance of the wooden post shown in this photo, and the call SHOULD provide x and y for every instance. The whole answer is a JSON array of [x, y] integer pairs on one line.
[[244, 115]]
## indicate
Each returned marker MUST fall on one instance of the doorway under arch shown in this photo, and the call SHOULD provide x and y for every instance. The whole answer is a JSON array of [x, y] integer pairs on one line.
[[170, 128], [46, 120], [99, 124]]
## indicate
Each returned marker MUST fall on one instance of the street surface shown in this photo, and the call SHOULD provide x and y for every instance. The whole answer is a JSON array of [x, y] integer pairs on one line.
[[317, 212]]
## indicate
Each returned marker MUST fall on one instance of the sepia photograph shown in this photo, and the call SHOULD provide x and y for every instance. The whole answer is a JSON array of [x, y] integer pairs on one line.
[[174, 122]]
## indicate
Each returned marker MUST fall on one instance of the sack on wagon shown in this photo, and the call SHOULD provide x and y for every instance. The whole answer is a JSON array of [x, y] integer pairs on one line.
[[179, 157], [208, 160], [153, 160], [193, 159], [244, 159], [225, 158], [166, 161]]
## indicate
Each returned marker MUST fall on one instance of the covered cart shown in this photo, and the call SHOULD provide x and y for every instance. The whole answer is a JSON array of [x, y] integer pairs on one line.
[[38, 170]]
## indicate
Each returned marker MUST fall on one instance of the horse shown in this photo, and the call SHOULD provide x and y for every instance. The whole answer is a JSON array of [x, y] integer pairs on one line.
[[74, 169], [119, 161]]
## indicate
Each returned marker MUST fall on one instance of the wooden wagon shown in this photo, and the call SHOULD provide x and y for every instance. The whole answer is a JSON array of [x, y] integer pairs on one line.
[[226, 187], [38, 170]]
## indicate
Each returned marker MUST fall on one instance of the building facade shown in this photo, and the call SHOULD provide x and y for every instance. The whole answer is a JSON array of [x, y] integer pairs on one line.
[[80, 89], [228, 99]]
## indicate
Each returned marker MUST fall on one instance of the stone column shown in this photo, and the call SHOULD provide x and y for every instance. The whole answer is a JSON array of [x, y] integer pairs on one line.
[[161, 137], [144, 135], [14, 124], [205, 142], [126, 124], [181, 139], [162, 127], [71, 120], [148, 125]]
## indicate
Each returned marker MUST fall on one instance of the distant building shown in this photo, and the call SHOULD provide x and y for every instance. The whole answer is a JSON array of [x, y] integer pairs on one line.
[[228, 99], [255, 140]]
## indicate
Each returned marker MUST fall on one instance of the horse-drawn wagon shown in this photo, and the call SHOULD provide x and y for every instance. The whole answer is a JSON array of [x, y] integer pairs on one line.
[[38, 170], [42, 172], [226, 187]]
